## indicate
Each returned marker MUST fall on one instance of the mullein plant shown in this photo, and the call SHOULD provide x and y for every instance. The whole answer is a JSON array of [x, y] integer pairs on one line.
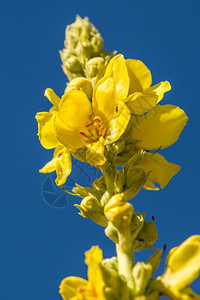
[[109, 116]]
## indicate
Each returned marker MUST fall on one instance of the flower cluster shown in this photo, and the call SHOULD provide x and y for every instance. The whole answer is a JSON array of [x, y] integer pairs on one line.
[[109, 116]]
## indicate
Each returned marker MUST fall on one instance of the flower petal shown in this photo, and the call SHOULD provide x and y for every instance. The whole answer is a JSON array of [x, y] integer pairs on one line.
[[139, 74], [67, 136], [119, 123], [53, 98], [183, 264], [69, 287], [117, 70], [95, 278], [45, 130], [161, 170], [104, 99], [63, 166], [75, 109], [139, 103], [50, 166], [159, 89], [95, 153], [159, 128]]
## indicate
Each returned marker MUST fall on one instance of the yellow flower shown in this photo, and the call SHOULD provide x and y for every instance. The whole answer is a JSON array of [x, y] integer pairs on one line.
[[133, 80], [183, 267], [75, 122], [61, 162], [80, 289], [153, 126]]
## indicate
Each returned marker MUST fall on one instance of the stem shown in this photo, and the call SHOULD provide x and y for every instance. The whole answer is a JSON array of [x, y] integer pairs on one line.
[[126, 258]]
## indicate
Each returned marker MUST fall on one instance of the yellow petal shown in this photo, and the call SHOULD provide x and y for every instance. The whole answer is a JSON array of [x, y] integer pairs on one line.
[[95, 278], [67, 136], [139, 103], [74, 109], [117, 70], [104, 99], [70, 285], [139, 74], [63, 166], [183, 264], [53, 98], [50, 166], [159, 128], [149, 185], [159, 89], [118, 124], [161, 170], [95, 153], [45, 130]]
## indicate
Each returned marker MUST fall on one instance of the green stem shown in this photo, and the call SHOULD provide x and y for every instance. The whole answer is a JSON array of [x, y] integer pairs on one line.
[[126, 258]]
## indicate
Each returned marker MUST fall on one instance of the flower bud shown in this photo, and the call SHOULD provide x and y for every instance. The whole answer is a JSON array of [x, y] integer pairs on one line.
[[135, 180], [85, 191], [141, 275], [119, 181], [95, 69], [111, 232], [82, 84], [99, 184], [91, 208], [118, 211], [119, 145], [137, 223], [146, 237]]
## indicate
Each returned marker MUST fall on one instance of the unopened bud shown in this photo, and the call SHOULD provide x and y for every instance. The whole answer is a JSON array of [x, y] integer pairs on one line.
[[82, 84], [146, 237], [91, 208], [86, 191], [118, 211], [111, 232], [137, 223], [99, 184], [119, 181], [135, 182], [95, 69], [141, 275]]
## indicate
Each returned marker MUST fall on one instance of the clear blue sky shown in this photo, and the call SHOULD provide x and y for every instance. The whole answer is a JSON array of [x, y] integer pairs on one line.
[[41, 244]]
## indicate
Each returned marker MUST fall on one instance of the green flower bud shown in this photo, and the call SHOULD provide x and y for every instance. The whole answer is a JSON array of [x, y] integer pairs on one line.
[[154, 260], [111, 232], [105, 198], [135, 180], [74, 65], [119, 181], [99, 184], [146, 237], [119, 145], [110, 294], [137, 223], [85, 191], [82, 84], [91, 208], [95, 69], [134, 160], [118, 211], [141, 275]]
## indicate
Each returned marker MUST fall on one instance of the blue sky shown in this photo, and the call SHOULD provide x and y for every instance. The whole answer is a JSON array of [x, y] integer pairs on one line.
[[41, 244]]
